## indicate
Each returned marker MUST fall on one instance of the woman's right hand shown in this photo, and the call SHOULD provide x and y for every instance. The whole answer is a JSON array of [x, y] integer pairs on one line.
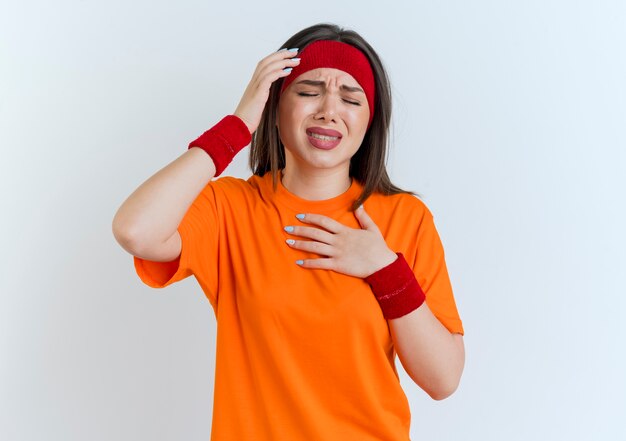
[[268, 70]]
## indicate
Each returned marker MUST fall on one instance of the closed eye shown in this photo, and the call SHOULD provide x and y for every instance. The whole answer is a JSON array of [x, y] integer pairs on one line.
[[314, 94]]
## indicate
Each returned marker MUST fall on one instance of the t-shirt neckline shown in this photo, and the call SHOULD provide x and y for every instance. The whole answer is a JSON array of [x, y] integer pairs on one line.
[[285, 197]]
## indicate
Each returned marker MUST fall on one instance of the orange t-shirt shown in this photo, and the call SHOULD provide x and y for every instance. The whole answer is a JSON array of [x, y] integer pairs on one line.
[[301, 353]]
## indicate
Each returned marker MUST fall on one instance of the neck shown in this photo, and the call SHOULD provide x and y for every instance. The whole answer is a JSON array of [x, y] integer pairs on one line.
[[316, 185]]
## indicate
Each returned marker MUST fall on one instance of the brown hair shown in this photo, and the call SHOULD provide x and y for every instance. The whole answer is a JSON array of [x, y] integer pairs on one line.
[[368, 164]]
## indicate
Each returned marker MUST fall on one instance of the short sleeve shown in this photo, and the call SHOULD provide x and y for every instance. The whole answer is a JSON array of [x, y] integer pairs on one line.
[[432, 274], [199, 232]]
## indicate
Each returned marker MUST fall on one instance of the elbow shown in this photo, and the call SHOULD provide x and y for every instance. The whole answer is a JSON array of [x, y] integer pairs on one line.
[[450, 382], [443, 393], [122, 235], [442, 387], [446, 387]]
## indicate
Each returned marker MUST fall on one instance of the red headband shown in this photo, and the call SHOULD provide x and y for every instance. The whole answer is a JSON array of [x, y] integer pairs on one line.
[[337, 55]]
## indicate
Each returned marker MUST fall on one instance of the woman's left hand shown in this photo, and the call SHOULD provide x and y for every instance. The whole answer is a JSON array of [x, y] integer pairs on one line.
[[352, 251]]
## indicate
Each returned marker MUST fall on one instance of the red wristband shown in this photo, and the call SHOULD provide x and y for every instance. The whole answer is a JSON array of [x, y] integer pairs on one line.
[[223, 141], [396, 289]]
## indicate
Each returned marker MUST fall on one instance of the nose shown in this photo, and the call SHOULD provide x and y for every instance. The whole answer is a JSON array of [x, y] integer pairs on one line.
[[327, 108]]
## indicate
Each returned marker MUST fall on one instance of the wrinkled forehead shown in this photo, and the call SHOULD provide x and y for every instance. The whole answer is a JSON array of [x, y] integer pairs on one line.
[[328, 75]]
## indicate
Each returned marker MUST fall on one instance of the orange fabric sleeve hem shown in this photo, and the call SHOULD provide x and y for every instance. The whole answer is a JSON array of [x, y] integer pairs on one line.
[[452, 325], [162, 274]]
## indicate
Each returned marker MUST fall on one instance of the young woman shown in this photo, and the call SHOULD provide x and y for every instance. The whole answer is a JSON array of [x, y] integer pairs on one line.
[[318, 268]]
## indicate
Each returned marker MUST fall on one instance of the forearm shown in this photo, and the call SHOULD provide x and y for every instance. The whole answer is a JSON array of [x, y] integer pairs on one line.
[[154, 210], [432, 356]]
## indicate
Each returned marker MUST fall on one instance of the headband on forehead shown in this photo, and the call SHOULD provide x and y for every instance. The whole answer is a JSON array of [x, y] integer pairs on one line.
[[337, 55]]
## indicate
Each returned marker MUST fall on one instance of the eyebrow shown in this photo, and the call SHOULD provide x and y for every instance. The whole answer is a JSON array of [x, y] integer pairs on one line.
[[322, 84]]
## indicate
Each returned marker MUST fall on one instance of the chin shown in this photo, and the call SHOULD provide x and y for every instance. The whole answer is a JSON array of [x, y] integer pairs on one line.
[[311, 157], [326, 163]]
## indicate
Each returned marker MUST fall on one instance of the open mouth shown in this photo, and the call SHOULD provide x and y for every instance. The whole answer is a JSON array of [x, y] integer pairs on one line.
[[322, 141], [323, 137]]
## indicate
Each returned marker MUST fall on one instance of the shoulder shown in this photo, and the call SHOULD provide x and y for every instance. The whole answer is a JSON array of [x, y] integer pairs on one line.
[[402, 205], [231, 186]]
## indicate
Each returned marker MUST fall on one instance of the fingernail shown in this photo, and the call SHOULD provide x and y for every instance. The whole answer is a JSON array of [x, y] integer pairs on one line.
[[294, 49], [300, 216], [291, 241], [288, 69], [299, 262], [289, 229]]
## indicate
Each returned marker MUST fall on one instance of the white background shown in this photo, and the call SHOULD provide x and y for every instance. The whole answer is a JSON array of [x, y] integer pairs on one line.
[[509, 118]]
